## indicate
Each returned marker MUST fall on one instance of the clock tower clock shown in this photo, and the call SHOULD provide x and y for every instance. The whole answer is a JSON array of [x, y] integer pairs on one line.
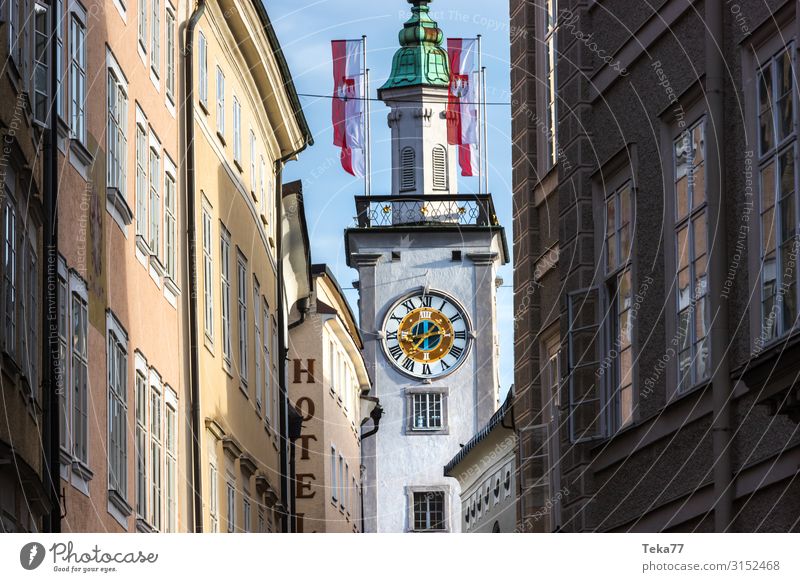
[[427, 259]]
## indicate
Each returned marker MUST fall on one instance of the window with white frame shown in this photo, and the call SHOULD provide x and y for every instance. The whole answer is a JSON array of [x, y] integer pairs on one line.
[[341, 482], [77, 76], [10, 267], [691, 243], [258, 340], [40, 79], [142, 153], [170, 222], [117, 356], [242, 287], [346, 485], [550, 102], [116, 136], [273, 325], [428, 511], [202, 58], [262, 194], [14, 36], [141, 398], [142, 29], [237, 130], [334, 476], [155, 200], [156, 452], [619, 224], [220, 103], [155, 39], [231, 507], [266, 363], [252, 161], [208, 275], [246, 512], [59, 64], [551, 382], [171, 461], [225, 299], [778, 187], [169, 47], [62, 375], [427, 411], [586, 402], [213, 495]]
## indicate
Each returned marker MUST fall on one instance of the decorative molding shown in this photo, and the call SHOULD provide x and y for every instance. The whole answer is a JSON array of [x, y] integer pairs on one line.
[[483, 259], [366, 259]]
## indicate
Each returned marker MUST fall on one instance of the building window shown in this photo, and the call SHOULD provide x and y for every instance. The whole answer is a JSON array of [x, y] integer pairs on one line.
[[208, 274], [155, 39], [550, 57], [156, 451], [429, 511], [41, 60], [59, 57], [252, 161], [778, 193], [141, 179], [169, 43], [440, 173], [231, 497], [408, 175], [80, 377], [266, 365], [341, 482], [171, 468], [225, 278], [551, 382], [691, 237], [242, 309], [14, 36], [116, 136], [427, 411], [334, 477], [237, 131], [220, 103], [10, 270], [202, 58], [31, 335], [246, 512], [117, 407], [155, 202], [141, 437], [585, 396], [258, 340], [143, 25], [262, 187], [170, 222], [619, 222], [77, 78], [213, 496]]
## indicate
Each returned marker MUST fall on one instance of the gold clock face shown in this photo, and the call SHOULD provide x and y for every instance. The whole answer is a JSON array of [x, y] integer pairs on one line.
[[426, 335]]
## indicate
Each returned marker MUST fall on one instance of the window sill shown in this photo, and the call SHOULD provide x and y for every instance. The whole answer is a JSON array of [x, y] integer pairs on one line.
[[221, 138], [118, 508], [203, 105], [228, 367], [253, 196], [84, 156], [427, 431], [118, 208], [243, 389], [142, 250], [263, 219], [143, 527], [238, 165]]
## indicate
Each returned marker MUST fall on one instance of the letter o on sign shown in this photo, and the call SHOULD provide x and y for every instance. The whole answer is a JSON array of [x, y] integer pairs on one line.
[[306, 407]]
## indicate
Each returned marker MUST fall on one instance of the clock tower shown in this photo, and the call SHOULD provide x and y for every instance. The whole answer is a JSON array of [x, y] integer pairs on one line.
[[427, 259]]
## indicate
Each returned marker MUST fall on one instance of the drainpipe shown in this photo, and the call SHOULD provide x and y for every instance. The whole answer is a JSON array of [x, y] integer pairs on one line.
[[721, 381], [191, 227], [50, 384]]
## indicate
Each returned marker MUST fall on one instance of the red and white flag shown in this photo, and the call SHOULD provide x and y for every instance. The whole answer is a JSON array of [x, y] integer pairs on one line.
[[462, 102], [348, 103]]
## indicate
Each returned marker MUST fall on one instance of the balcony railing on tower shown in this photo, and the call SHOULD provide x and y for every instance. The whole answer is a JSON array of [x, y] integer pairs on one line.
[[428, 209]]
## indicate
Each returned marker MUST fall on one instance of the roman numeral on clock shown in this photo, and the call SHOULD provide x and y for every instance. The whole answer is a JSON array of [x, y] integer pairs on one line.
[[409, 364], [445, 366], [455, 318], [409, 305], [427, 301], [456, 352], [391, 335], [461, 334], [396, 352], [426, 370]]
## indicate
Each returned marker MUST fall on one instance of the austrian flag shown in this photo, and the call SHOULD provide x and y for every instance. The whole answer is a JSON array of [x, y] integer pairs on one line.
[[462, 102], [348, 103]]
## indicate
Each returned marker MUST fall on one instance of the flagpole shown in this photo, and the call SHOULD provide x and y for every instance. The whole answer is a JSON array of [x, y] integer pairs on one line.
[[485, 133], [365, 96], [480, 118]]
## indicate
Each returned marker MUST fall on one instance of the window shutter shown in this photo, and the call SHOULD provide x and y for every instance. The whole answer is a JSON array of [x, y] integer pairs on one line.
[[585, 394], [439, 168], [408, 160]]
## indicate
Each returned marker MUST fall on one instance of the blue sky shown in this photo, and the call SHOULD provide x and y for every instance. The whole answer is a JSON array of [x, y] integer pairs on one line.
[[305, 29]]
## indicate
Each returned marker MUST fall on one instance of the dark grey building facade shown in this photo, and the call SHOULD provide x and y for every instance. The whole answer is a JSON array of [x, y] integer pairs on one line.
[[656, 289]]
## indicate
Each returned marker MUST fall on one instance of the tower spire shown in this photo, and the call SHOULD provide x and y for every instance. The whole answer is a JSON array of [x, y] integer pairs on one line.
[[420, 60]]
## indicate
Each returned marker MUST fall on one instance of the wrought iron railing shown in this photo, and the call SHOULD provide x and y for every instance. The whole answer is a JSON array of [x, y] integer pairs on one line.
[[453, 209]]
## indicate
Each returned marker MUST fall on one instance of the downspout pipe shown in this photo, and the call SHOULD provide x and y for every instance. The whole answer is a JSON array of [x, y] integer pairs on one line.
[[191, 228], [50, 381], [721, 380]]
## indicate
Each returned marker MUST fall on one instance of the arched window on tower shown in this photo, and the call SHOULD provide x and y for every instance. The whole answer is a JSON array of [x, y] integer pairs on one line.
[[440, 168], [408, 174]]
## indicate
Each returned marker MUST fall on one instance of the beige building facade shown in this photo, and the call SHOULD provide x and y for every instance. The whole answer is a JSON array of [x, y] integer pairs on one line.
[[245, 124], [329, 385]]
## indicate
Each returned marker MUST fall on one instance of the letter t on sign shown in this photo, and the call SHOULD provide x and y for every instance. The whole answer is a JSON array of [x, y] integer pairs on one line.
[[299, 370]]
